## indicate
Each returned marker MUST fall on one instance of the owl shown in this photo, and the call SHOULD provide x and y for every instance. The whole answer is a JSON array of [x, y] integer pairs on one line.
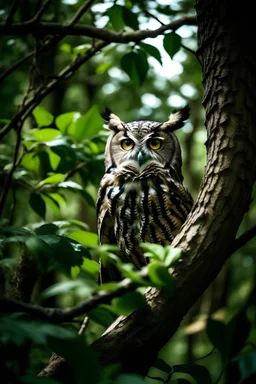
[[141, 196]]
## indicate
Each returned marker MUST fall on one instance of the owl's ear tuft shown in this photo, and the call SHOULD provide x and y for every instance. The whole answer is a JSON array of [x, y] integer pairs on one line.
[[176, 119], [113, 121], [106, 114]]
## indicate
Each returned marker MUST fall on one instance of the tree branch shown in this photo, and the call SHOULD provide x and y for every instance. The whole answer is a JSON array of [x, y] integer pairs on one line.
[[14, 7], [41, 10], [49, 28], [79, 13], [49, 44], [57, 315]]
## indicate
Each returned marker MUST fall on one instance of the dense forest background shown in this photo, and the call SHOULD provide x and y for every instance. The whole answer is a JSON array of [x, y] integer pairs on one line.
[[51, 163]]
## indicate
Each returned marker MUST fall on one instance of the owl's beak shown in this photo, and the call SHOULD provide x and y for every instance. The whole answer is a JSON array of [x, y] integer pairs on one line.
[[140, 158]]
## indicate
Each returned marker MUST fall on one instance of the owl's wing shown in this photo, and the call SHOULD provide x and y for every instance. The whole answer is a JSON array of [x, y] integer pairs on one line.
[[106, 236], [105, 225]]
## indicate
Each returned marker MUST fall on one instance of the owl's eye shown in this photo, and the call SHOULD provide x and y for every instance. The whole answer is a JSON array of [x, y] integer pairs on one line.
[[155, 143], [127, 144]]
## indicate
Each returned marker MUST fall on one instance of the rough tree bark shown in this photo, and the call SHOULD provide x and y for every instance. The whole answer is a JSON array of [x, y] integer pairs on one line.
[[227, 53]]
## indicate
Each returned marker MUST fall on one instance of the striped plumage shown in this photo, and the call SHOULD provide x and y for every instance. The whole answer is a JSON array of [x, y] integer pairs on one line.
[[141, 196]]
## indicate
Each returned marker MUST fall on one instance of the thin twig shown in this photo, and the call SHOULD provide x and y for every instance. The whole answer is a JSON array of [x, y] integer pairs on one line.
[[41, 10], [153, 16], [76, 168], [79, 13], [16, 65], [84, 326], [13, 9], [188, 49], [244, 238]]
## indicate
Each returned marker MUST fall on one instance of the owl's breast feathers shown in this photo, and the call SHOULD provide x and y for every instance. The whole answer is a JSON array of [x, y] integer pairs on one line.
[[135, 206]]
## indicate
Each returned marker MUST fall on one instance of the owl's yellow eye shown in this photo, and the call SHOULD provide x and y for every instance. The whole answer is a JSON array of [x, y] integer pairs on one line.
[[155, 143], [127, 144]]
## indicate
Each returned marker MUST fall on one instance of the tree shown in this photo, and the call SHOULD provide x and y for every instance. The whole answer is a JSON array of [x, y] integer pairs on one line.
[[208, 238]]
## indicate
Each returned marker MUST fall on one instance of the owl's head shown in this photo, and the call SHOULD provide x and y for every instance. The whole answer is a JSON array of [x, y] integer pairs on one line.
[[141, 142]]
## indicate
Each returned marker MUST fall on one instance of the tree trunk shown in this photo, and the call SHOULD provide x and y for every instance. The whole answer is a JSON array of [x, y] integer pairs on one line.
[[227, 54], [229, 79]]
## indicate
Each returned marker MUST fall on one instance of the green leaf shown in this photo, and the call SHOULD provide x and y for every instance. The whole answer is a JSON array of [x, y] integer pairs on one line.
[[172, 43], [84, 237], [103, 67], [79, 49], [80, 249], [37, 204], [65, 256], [67, 153], [91, 267], [108, 286], [47, 229], [115, 15], [217, 333], [53, 159], [171, 255], [58, 198], [19, 173], [135, 65], [101, 316], [65, 47], [129, 379], [8, 263], [161, 278], [31, 162], [162, 365], [198, 372], [70, 185], [17, 331], [60, 288], [130, 18], [154, 251], [51, 203], [152, 51], [53, 179], [40, 250], [128, 303], [88, 125], [128, 270], [64, 121], [247, 365], [42, 116], [46, 134]]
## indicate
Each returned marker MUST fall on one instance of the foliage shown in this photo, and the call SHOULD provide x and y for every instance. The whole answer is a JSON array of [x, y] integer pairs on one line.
[[51, 162]]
